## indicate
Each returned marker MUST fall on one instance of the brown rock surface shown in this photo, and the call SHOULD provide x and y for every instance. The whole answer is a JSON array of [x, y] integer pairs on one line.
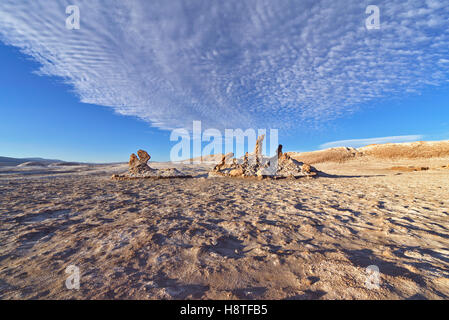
[[258, 149], [236, 172], [144, 157], [133, 160], [279, 151], [227, 162], [138, 164], [255, 165], [138, 168]]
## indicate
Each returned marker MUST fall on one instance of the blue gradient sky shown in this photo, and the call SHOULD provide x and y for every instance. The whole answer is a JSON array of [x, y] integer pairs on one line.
[[305, 86]]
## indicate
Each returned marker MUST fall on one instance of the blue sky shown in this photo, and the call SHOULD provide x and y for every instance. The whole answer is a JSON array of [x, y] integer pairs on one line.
[[137, 69]]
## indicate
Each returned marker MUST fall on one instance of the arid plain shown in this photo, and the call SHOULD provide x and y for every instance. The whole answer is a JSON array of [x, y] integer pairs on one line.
[[231, 238]]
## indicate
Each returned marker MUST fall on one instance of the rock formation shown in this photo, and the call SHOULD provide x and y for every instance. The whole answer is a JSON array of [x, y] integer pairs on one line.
[[143, 156], [258, 150], [139, 168], [133, 160], [279, 151], [138, 164], [224, 163], [255, 165]]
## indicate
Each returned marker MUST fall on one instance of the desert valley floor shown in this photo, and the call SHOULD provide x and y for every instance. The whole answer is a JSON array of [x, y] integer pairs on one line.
[[224, 238]]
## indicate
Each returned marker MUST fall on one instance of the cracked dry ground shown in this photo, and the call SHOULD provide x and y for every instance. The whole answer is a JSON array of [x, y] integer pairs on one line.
[[224, 238]]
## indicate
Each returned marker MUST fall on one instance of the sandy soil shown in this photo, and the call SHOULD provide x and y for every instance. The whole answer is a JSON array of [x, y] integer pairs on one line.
[[223, 238]]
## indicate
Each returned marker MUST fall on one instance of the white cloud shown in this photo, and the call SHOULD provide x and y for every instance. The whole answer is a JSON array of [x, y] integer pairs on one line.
[[357, 143], [233, 63]]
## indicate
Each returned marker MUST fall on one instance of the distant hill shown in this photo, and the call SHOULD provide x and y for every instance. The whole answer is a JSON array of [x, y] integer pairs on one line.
[[407, 150], [6, 161], [339, 154], [207, 159]]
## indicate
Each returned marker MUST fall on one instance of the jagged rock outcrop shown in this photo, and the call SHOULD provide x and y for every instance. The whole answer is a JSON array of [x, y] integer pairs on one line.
[[225, 162], [258, 150], [255, 165], [144, 157], [139, 168], [139, 164], [288, 167]]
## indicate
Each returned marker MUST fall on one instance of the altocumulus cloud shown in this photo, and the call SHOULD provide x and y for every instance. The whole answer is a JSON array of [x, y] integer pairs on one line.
[[233, 63]]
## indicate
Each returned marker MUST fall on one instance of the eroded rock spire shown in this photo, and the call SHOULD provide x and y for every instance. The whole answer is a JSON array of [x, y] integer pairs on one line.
[[255, 165]]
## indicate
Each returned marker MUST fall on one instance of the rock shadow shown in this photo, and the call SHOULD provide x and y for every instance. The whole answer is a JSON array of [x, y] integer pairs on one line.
[[365, 257]]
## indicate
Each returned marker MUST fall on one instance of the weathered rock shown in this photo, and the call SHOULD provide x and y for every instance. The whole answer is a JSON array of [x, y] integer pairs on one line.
[[138, 168], [288, 167], [138, 164], [258, 149], [279, 151], [306, 168], [227, 162], [133, 160], [255, 165], [144, 157], [236, 172], [221, 165], [245, 162]]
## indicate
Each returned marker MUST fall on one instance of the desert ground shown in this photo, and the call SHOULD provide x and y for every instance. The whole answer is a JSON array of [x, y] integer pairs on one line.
[[227, 238]]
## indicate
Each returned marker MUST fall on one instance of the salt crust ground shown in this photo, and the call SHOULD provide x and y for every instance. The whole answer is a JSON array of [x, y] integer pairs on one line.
[[225, 238]]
